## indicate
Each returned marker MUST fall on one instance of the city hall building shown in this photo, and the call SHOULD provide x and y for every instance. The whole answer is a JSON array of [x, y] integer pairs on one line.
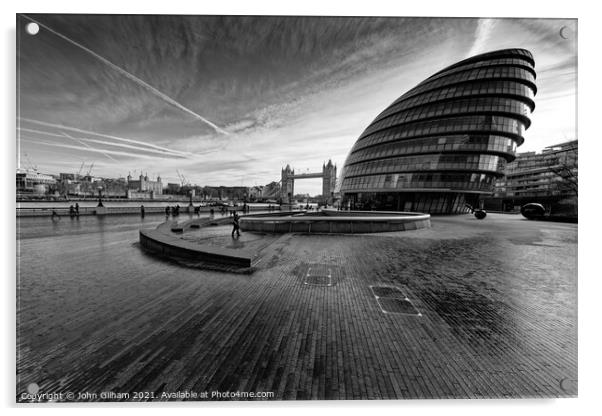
[[442, 144]]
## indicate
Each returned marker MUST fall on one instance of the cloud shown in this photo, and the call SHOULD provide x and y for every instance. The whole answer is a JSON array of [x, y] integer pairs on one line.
[[483, 34], [61, 128], [131, 76], [295, 90], [86, 149]]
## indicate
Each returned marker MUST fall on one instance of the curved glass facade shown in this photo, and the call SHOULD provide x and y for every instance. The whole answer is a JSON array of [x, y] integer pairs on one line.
[[443, 143]]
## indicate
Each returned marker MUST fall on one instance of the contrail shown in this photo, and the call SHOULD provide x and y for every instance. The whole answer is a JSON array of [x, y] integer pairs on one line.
[[58, 126], [90, 149], [129, 146], [108, 143], [88, 146], [132, 77]]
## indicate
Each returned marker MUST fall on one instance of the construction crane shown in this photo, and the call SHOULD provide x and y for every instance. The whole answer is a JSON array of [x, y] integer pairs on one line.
[[30, 165], [79, 172], [90, 169], [183, 180]]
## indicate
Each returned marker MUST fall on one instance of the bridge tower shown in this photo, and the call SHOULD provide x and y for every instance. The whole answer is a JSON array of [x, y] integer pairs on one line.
[[287, 188], [329, 180]]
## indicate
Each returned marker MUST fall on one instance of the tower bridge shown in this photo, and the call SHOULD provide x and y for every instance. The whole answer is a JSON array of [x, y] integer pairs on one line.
[[329, 179]]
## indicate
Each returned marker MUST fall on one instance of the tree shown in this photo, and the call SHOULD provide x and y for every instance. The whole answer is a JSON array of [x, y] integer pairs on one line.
[[566, 169]]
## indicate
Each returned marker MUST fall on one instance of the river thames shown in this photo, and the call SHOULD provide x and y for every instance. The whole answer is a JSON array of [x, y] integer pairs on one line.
[[496, 304]]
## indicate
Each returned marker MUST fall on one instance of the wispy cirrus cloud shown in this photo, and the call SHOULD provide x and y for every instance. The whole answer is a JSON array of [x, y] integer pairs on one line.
[[130, 76], [484, 31], [140, 145]]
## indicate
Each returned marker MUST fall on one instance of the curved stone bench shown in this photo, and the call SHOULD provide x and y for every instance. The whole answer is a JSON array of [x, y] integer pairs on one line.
[[166, 240], [338, 222]]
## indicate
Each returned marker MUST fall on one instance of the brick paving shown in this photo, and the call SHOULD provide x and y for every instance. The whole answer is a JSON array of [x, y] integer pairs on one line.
[[497, 300]]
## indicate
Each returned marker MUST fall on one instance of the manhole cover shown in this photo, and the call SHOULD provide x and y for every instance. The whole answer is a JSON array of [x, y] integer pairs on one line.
[[387, 292], [318, 275], [393, 305], [391, 299], [318, 280]]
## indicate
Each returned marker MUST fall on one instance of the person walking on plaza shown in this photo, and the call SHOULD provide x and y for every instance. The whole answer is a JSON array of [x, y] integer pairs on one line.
[[235, 225], [167, 211], [77, 209], [142, 211], [71, 211]]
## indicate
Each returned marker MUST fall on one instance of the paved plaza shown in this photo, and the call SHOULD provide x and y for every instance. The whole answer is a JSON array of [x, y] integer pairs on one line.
[[465, 309]]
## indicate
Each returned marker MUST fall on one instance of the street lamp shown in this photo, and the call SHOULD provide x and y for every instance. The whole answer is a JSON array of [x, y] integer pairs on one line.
[[100, 197]]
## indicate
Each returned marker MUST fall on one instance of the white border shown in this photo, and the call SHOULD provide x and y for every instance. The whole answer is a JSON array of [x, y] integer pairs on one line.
[[589, 229]]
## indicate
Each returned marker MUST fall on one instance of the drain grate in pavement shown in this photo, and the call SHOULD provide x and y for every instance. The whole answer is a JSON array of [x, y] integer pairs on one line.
[[318, 275], [391, 299]]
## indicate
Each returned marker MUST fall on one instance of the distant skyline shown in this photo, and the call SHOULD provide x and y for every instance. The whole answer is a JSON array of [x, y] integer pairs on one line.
[[230, 100]]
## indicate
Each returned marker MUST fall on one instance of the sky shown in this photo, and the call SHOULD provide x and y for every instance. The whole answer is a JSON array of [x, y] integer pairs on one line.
[[230, 100]]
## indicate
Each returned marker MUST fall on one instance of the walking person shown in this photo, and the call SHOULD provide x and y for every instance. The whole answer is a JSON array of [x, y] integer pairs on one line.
[[77, 209], [167, 209], [71, 211], [235, 225], [142, 211]]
